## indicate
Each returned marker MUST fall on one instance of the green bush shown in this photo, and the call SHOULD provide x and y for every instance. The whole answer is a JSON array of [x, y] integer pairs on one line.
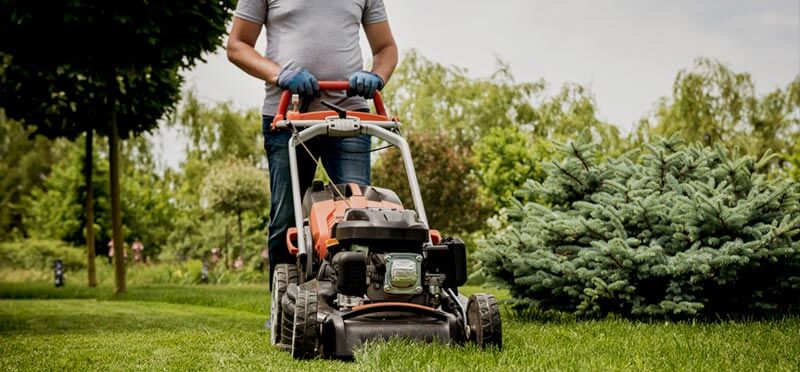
[[40, 254], [676, 231]]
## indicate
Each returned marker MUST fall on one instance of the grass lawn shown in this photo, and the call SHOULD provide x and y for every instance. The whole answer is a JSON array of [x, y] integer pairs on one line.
[[222, 327]]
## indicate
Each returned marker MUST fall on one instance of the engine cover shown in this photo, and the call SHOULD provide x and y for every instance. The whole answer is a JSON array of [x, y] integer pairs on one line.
[[383, 230]]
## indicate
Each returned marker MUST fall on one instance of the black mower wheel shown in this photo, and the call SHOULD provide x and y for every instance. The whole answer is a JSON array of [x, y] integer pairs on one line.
[[287, 311], [305, 336], [483, 318], [283, 275]]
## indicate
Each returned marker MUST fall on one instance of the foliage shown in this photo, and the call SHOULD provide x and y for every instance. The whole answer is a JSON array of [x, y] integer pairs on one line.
[[103, 57], [56, 210], [571, 111], [25, 159], [679, 230], [433, 97], [508, 156], [504, 124], [195, 235], [235, 187], [112, 67], [218, 131], [713, 104], [792, 159], [148, 210], [46, 188], [505, 158], [40, 254], [449, 192]]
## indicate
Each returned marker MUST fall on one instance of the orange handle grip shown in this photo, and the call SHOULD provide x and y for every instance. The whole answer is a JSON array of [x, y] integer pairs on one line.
[[286, 96]]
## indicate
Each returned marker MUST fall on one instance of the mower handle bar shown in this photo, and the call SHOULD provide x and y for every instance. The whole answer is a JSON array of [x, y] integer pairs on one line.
[[286, 96]]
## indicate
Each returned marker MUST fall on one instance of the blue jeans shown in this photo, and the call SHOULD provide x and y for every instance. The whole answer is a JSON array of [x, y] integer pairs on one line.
[[345, 159]]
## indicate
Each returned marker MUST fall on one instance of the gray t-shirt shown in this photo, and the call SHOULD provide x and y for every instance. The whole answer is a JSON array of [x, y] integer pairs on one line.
[[320, 35]]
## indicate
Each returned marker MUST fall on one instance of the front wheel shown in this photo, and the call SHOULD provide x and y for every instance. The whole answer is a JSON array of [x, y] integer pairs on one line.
[[283, 275], [305, 335], [483, 318]]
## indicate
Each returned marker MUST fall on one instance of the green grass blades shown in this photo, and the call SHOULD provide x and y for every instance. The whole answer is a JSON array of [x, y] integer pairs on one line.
[[112, 335], [222, 328], [605, 345], [251, 298]]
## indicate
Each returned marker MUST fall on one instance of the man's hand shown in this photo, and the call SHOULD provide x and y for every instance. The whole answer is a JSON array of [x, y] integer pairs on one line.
[[365, 83], [298, 81]]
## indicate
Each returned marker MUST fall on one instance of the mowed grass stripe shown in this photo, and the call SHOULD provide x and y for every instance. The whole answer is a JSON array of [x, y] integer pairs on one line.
[[251, 298], [181, 328], [114, 335]]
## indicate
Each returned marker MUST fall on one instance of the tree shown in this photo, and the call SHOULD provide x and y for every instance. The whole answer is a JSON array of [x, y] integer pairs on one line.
[[25, 159], [505, 158], [676, 231], [504, 124], [218, 131], [55, 210], [234, 187], [574, 110], [443, 168], [111, 67], [712, 104], [433, 97]]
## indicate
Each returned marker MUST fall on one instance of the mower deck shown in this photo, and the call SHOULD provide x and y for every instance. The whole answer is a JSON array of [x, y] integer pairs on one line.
[[343, 331]]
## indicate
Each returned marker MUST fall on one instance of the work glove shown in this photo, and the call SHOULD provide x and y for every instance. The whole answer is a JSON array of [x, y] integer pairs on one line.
[[364, 84], [298, 81]]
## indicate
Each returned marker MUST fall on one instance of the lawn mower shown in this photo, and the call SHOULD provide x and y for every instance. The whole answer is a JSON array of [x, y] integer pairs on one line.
[[367, 268]]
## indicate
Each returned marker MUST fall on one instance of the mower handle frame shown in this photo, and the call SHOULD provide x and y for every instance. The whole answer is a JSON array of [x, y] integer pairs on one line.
[[342, 128]]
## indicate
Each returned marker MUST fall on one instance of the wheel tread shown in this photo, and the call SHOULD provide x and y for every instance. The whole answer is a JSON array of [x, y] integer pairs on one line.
[[485, 312], [305, 335], [284, 275]]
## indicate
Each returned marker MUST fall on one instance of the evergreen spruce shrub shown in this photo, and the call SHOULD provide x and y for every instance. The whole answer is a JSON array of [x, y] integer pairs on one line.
[[667, 230]]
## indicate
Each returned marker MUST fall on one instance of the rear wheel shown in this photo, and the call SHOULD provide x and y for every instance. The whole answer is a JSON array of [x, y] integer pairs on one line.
[[305, 336], [283, 275], [483, 318]]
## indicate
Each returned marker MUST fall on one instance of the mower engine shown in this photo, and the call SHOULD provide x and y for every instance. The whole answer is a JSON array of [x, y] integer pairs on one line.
[[389, 248]]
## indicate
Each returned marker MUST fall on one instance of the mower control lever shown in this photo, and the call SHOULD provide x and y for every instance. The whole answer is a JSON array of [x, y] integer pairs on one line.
[[340, 111]]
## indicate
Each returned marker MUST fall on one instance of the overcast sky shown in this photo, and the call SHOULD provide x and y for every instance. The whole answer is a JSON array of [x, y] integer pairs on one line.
[[627, 52]]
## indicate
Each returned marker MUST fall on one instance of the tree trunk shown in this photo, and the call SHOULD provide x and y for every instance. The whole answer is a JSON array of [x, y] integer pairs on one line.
[[116, 209], [87, 169], [241, 237], [227, 250]]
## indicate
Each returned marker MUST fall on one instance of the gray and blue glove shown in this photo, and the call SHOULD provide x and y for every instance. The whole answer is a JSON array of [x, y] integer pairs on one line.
[[298, 81], [364, 84]]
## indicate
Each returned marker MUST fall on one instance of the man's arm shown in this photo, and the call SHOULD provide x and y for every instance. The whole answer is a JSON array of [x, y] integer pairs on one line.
[[384, 49], [242, 52]]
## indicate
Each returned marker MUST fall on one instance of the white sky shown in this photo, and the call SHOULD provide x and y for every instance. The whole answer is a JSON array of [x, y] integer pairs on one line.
[[626, 51]]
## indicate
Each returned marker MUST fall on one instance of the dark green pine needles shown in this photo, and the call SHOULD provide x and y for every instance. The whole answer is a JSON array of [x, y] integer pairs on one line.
[[670, 230]]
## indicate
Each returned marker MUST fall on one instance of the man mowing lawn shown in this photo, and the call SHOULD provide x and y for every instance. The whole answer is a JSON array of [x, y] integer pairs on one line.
[[308, 41]]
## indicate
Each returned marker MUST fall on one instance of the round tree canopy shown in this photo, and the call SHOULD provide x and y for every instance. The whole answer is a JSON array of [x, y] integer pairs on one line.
[[65, 65]]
